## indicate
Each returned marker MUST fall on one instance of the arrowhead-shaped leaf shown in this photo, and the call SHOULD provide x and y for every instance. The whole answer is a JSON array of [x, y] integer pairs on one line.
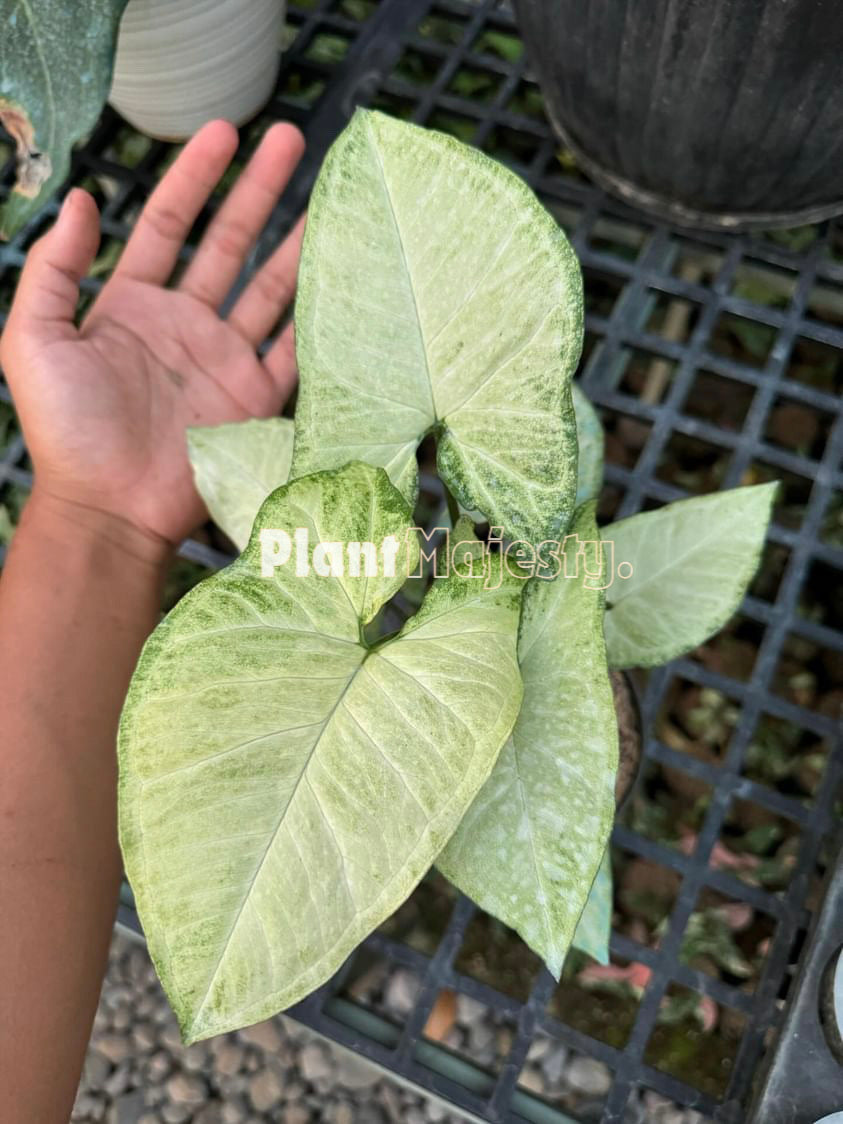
[[55, 74], [436, 294], [591, 442], [236, 466], [692, 562], [530, 845], [283, 787]]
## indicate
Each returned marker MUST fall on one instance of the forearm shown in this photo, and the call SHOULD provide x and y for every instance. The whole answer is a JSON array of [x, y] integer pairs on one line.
[[78, 596]]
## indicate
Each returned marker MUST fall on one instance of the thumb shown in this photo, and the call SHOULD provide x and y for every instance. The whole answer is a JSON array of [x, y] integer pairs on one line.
[[48, 290]]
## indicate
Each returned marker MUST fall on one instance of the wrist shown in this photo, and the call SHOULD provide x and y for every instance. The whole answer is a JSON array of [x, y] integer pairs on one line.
[[70, 523]]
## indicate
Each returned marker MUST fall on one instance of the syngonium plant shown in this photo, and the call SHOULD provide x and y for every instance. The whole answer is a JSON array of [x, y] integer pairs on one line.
[[56, 63], [287, 772]]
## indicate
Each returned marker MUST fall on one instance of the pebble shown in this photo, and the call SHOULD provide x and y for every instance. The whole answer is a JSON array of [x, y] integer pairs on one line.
[[401, 992], [187, 1089], [470, 1011], [436, 1112], [87, 1107], [264, 1090], [371, 1114], [294, 1090], [554, 1064], [342, 1113], [589, 1077], [115, 1047], [531, 1080], [390, 1098], [278, 1072], [211, 1113], [117, 996], [171, 1038], [195, 1057], [229, 1058], [118, 1081], [295, 1114], [266, 1036], [144, 1037], [158, 1068], [315, 1062], [97, 1069], [128, 1107], [175, 1114], [233, 1111], [539, 1047], [481, 1040]]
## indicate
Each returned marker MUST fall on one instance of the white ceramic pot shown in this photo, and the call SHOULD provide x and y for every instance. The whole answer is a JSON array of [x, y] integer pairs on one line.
[[181, 63]]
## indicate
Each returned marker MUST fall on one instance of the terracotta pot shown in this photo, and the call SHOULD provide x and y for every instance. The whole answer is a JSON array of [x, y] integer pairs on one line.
[[181, 63]]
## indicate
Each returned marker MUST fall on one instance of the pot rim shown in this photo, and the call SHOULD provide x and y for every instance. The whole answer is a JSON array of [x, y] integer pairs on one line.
[[678, 214]]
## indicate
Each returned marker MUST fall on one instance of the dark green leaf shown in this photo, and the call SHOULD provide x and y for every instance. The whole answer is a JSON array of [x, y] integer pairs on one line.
[[55, 73]]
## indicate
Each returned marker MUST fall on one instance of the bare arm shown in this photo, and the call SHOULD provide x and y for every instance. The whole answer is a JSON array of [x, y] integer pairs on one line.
[[104, 409], [78, 597]]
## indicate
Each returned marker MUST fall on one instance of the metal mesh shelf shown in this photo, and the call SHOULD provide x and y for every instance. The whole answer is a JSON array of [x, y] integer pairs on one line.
[[715, 360]]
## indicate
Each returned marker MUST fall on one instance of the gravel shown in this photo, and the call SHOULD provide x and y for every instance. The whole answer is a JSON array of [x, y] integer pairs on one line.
[[138, 1072]]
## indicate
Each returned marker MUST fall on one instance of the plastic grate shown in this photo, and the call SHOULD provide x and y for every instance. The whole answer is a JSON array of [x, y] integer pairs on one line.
[[715, 360]]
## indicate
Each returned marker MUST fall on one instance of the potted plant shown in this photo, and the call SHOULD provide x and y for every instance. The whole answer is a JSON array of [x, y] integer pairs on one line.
[[289, 771], [180, 63], [720, 114], [175, 64]]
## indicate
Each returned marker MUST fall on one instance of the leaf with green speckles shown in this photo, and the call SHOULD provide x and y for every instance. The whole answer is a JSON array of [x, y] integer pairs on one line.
[[282, 786], [530, 845], [594, 927], [436, 294], [55, 73], [236, 466], [591, 442], [692, 563]]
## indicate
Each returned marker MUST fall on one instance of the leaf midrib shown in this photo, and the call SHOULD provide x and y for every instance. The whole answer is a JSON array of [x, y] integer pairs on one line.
[[274, 835], [400, 240]]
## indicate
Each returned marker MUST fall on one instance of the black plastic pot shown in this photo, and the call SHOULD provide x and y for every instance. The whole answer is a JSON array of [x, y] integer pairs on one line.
[[713, 113]]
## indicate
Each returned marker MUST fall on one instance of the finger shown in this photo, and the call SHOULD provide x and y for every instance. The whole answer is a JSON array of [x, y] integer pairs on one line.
[[280, 361], [175, 204], [48, 291], [270, 291], [235, 227]]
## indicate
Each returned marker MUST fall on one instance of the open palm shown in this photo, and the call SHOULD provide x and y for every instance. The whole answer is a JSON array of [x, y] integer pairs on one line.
[[105, 407]]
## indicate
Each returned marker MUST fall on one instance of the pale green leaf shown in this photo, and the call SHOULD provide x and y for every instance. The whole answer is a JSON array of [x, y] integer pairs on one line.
[[55, 73], [283, 787], [529, 847], [590, 452], [236, 466], [594, 927], [436, 294], [692, 562]]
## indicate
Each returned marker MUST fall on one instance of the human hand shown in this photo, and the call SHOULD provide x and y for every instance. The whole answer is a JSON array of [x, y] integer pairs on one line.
[[104, 407]]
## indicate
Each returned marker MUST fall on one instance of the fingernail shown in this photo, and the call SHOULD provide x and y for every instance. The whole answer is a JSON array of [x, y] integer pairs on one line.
[[66, 204]]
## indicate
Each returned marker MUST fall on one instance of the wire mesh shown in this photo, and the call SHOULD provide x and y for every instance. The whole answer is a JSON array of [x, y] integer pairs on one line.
[[715, 361]]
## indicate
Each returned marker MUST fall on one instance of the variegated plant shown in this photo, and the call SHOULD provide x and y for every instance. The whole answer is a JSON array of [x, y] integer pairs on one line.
[[288, 772]]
